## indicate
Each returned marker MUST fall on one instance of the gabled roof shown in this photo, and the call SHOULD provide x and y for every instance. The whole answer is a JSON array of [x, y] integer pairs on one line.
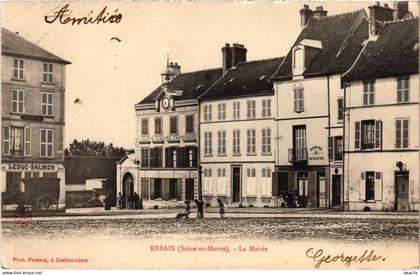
[[341, 37], [393, 53], [15, 45], [193, 84], [245, 79]]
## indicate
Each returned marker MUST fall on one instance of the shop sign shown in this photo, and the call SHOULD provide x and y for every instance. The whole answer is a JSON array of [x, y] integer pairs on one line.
[[31, 167]]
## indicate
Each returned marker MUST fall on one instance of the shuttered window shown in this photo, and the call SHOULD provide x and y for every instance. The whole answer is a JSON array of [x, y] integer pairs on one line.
[[402, 133], [6, 140], [357, 135], [27, 149], [368, 92], [403, 90], [298, 99]]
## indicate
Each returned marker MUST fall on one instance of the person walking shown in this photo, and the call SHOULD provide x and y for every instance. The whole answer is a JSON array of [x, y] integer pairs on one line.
[[200, 209], [187, 209], [221, 208], [136, 201], [119, 198]]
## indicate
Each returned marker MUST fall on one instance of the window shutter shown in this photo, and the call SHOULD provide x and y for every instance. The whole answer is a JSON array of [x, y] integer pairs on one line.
[[362, 187], [27, 148], [295, 108], [179, 189], [6, 140], [378, 186], [145, 188], [165, 189], [194, 156], [274, 184], [378, 134], [331, 148], [357, 135], [365, 93], [152, 157], [168, 155]]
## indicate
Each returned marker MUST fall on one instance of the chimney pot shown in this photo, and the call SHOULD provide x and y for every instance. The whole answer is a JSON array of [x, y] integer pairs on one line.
[[232, 56], [305, 15], [400, 9], [379, 14], [320, 12]]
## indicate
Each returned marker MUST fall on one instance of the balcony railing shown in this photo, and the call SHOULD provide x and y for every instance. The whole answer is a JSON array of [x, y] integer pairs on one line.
[[298, 155]]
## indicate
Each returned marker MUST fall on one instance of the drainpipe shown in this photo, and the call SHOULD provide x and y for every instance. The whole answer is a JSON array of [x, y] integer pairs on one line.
[[344, 144], [199, 168], [329, 134]]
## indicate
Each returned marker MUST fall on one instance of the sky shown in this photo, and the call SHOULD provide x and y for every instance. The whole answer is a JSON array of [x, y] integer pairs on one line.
[[109, 76]]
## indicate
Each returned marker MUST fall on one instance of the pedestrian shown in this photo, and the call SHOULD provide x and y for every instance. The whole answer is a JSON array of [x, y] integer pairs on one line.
[[200, 209], [136, 201], [107, 201], [131, 201], [122, 201], [140, 203], [187, 209], [221, 207], [119, 206]]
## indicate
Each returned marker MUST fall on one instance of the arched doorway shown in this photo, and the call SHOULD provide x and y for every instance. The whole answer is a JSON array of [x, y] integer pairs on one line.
[[128, 185]]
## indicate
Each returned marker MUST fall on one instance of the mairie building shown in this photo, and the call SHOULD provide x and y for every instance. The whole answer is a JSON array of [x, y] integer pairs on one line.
[[164, 168], [32, 118]]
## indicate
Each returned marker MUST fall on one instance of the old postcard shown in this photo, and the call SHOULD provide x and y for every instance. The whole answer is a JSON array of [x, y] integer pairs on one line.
[[210, 135]]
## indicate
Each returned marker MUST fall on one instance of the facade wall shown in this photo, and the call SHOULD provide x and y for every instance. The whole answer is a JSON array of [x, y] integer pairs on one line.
[[254, 185], [305, 178], [359, 160], [30, 163], [146, 174]]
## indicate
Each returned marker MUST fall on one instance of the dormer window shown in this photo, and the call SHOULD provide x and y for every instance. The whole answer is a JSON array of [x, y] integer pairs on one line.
[[298, 60]]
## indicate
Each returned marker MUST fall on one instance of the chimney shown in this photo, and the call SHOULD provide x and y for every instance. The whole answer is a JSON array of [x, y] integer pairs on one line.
[[319, 12], [305, 15], [232, 56], [378, 15], [400, 9]]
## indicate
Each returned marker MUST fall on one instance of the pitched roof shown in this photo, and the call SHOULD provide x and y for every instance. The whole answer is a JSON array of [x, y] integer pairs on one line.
[[341, 36], [393, 53], [245, 79], [13, 44], [193, 84]]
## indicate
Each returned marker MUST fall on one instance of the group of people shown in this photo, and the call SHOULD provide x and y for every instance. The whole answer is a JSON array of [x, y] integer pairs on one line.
[[200, 209], [293, 200], [132, 201]]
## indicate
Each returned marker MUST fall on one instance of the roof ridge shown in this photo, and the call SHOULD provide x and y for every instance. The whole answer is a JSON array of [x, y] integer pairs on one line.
[[202, 70], [260, 60], [339, 15], [400, 20]]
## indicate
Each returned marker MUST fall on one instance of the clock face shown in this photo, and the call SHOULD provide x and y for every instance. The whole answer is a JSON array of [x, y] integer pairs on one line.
[[165, 103]]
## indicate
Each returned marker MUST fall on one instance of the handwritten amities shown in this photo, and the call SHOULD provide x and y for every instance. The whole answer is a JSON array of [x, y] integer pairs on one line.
[[63, 16], [319, 257]]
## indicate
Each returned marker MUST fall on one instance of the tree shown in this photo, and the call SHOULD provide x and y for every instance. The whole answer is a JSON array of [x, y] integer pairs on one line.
[[87, 148]]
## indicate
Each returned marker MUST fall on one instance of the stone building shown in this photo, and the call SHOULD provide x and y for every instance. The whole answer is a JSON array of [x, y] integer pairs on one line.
[[237, 131], [164, 167], [382, 116], [309, 101], [33, 93]]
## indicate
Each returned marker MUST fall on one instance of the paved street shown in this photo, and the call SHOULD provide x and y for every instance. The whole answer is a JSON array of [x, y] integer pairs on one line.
[[269, 226]]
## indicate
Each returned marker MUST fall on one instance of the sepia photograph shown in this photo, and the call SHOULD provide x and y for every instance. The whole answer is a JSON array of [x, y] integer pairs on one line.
[[210, 135]]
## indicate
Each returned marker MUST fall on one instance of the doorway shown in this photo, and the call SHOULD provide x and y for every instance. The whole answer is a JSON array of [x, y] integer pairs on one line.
[[128, 185], [189, 189], [236, 184], [336, 191], [401, 191]]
